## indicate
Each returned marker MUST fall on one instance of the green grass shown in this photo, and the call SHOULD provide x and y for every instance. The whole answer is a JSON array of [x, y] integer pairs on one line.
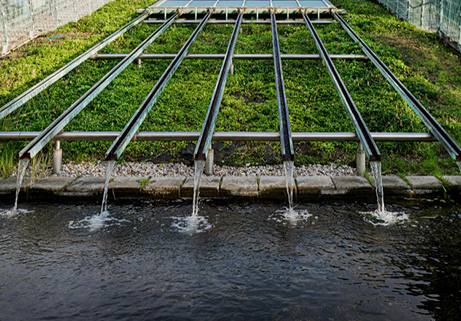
[[425, 65]]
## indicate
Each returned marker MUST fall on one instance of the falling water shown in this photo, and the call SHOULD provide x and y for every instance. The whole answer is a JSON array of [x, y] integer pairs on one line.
[[290, 215], [109, 167], [199, 166], [289, 165], [459, 165], [194, 223], [376, 171], [21, 172], [381, 216]]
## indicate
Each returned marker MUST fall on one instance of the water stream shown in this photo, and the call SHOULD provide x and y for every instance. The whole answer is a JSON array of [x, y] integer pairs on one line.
[[199, 167], [381, 216], [22, 167], [109, 168], [194, 223], [377, 176], [289, 166], [289, 214]]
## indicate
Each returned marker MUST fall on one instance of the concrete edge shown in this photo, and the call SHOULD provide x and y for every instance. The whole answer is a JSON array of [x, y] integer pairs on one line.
[[271, 188]]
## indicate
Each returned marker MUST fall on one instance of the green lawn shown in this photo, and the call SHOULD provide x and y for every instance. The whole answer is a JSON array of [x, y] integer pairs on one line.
[[425, 65]]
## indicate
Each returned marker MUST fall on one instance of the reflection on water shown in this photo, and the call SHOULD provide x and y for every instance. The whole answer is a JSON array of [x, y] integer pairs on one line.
[[246, 266]]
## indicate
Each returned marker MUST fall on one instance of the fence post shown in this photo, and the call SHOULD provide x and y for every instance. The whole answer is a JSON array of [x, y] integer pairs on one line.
[[75, 10], [422, 15], [5, 35], [459, 41], [56, 13], [57, 158], [441, 19], [31, 12]]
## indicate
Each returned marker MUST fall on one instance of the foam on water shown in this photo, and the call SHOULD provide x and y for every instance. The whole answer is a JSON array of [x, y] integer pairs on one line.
[[96, 222], [290, 216], [13, 212], [191, 224], [384, 218]]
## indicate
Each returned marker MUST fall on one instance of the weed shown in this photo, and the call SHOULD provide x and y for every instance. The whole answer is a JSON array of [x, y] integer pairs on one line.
[[143, 182]]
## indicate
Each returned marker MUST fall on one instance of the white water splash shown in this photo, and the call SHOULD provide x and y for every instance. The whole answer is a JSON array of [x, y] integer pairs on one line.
[[381, 216], [13, 212], [96, 222], [191, 224], [376, 171], [109, 168], [385, 218], [199, 167], [290, 216]]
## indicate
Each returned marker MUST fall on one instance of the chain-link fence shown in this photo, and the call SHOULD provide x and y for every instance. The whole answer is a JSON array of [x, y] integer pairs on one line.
[[443, 16], [22, 20]]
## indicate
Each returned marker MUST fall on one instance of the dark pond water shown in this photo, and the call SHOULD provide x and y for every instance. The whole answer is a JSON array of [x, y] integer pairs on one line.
[[334, 265]]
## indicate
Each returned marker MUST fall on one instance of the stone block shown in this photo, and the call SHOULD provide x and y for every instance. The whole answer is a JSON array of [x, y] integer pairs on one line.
[[209, 186], [274, 187], [125, 187], [239, 186], [454, 186], [311, 186], [8, 186], [425, 185], [455, 181], [51, 184], [85, 187], [394, 185], [356, 186], [164, 187]]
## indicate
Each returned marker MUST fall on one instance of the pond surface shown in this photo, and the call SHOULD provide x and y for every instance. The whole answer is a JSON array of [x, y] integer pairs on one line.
[[248, 265]]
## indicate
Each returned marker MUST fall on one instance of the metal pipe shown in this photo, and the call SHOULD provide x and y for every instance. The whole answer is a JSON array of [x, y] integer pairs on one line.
[[236, 56], [58, 124], [224, 136], [120, 143], [17, 102], [204, 141], [260, 22], [284, 116], [433, 125], [361, 128]]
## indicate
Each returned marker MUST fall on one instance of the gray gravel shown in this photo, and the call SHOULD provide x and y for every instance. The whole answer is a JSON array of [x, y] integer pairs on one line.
[[180, 170]]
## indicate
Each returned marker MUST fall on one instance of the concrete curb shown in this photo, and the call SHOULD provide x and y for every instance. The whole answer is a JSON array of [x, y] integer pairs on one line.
[[265, 187]]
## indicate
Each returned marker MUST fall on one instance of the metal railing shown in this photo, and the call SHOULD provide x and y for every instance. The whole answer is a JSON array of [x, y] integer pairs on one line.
[[130, 132]]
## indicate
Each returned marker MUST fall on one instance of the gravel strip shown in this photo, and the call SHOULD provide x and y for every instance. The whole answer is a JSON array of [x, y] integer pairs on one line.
[[180, 170]]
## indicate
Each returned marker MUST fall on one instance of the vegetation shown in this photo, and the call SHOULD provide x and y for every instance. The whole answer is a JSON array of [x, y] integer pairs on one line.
[[425, 65]]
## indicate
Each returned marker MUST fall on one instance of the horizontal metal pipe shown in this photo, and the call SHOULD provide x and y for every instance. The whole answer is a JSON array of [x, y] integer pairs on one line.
[[236, 56], [257, 22], [228, 136]]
